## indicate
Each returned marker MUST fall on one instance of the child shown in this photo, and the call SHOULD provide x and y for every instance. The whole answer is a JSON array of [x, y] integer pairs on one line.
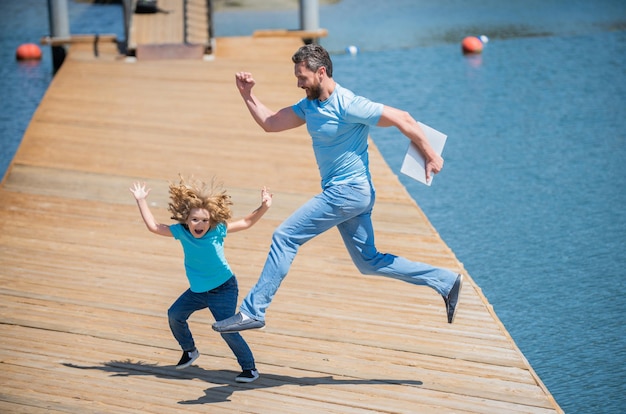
[[202, 213]]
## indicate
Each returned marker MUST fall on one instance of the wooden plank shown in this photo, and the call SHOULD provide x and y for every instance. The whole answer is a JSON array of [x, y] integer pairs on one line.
[[169, 51], [302, 34], [60, 41]]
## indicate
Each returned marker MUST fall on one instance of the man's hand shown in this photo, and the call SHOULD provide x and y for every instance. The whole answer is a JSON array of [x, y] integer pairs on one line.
[[245, 82], [433, 166]]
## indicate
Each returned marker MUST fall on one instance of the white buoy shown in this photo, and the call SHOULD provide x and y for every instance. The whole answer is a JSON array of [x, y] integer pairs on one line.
[[484, 39], [352, 50]]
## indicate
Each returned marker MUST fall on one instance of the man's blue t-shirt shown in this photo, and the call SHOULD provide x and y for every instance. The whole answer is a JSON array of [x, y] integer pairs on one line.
[[205, 264], [339, 127]]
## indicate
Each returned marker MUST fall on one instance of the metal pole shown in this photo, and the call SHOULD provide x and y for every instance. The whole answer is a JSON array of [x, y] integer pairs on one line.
[[59, 27], [309, 16], [209, 6], [126, 4]]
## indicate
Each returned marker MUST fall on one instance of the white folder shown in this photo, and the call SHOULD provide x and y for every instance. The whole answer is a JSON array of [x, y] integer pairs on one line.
[[414, 164]]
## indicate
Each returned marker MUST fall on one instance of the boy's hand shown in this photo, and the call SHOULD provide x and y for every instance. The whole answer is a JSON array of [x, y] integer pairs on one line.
[[266, 197], [139, 190]]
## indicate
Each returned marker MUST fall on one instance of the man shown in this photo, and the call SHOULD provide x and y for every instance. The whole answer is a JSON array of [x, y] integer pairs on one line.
[[338, 122]]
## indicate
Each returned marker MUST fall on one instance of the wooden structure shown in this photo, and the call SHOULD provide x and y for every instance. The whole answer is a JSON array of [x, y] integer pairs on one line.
[[307, 36], [179, 29], [182, 29], [85, 287]]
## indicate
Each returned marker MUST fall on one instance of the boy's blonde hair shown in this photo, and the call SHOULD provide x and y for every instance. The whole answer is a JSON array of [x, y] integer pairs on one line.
[[192, 193]]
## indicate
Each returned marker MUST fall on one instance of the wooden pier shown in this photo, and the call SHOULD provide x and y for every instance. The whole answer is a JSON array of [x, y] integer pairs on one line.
[[85, 287]]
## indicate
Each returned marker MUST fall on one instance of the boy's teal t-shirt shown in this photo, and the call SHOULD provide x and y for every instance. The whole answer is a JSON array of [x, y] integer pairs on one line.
[[339, 127], [205, 264]]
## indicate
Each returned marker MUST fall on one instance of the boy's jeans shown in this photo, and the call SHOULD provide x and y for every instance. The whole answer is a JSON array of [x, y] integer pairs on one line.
[[222, 302]]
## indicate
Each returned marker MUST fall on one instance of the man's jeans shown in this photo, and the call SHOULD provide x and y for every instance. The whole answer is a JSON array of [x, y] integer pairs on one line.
[[222, 302], [349, 207]]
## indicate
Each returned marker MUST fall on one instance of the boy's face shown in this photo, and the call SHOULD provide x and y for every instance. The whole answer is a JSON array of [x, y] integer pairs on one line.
[[199, 222]]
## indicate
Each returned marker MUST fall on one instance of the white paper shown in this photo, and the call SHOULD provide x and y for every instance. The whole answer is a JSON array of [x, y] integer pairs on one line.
[[414, 164]]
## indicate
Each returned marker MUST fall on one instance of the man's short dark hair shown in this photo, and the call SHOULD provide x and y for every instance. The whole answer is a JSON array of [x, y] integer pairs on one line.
[[314, 57]]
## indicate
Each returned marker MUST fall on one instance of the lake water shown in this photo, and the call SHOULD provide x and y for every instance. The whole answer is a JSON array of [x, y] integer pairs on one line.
[[532, 198]]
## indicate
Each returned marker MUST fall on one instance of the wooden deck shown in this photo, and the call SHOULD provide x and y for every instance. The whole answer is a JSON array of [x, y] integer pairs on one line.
[[85, 287]]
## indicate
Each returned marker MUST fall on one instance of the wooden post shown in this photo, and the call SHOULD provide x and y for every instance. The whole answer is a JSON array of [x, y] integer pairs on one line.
[[59, 27]]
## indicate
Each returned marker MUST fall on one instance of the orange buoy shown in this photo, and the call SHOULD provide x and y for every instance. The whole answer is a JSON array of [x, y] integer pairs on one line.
[[472, 44], [28, 51]]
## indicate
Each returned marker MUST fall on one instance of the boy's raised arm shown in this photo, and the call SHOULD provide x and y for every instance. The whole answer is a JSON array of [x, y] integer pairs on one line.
[[249, 220], [140, 193]]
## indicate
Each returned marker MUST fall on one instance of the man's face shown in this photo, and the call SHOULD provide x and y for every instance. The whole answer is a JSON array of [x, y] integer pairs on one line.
[[308, 80]]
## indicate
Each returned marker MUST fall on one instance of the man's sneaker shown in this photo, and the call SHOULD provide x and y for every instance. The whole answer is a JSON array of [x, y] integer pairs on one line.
[[187, 358], [452, 300], [237, 323], [247, 375]]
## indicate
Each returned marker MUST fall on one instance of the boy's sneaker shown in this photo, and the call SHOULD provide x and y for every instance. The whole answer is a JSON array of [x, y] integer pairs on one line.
[[247, 375], [187, 358]]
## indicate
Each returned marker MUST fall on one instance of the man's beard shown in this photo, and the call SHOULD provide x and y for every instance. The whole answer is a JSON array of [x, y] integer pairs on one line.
[[314, 92]]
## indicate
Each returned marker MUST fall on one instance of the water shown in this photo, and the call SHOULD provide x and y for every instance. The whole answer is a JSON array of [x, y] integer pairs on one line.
[[531, 198]]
